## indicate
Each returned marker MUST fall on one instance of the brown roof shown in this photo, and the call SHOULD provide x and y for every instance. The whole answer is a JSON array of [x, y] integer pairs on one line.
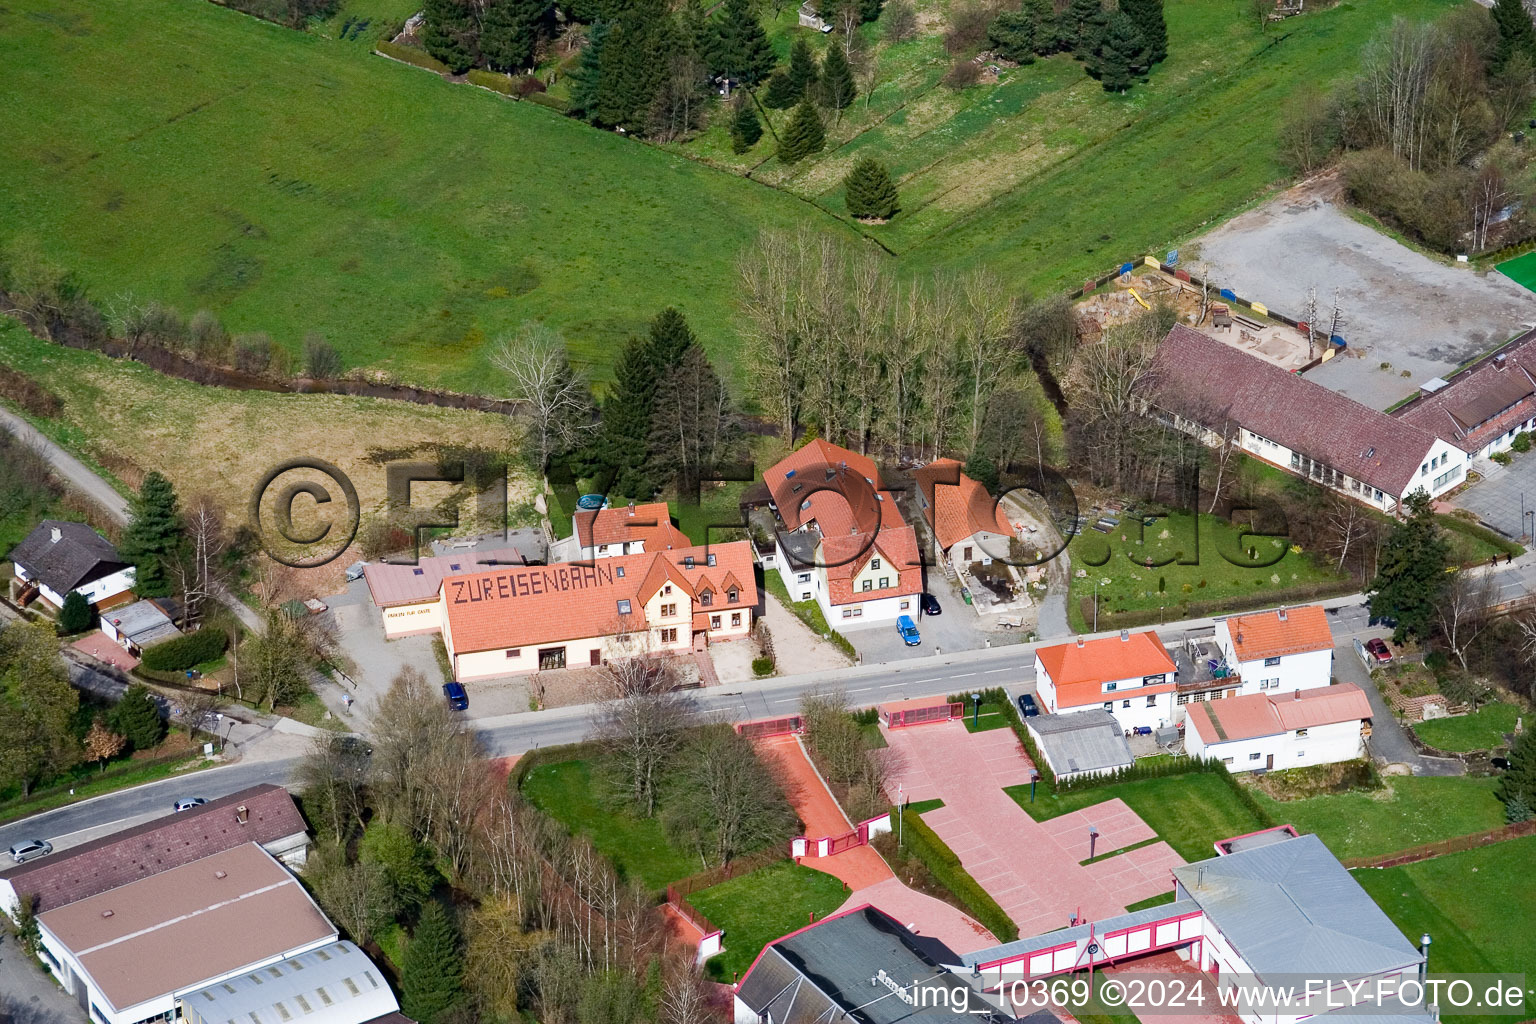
[[837, 483], [391, 585], [1277, 633], [183, 926], [957, 506], [1261, 714], [1483, 401], [650, 523], [1204, 379], [160, 845], [525, 605]]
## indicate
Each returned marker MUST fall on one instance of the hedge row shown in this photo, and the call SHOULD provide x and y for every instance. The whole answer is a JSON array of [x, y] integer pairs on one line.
[[490, 80], [1480, 532], [183, 652], [411, 55], [923, 842], [545, 99], [1109, 621]]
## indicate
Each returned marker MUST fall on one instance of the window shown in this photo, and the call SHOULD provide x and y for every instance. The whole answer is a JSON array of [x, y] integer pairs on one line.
[[624, 607], [1301, 753], [514, 652], [905, 605], [1424, 469], [868, 585], [1152, 701], [874, 563], [847, 613], [805, 504], [602, 549], [687, 561], [1254, 756], [1125, 704], [805, 595], [668, 610], [714, 622], [1110, 687], [1300, 733], [709, 559], [1182, 698], [618, 570], [1271, 661], [885, 581], [732, 595], [1154, 680], [735, 618], [1109, 705], [418, 572], [669, 636], [1226, 760], [666, 590], [706, 598], [804, 577]]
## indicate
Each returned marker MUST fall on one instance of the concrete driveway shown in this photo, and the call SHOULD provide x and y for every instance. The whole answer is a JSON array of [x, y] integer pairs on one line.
[[28, 994], [375, 660], [1499, 498], [1389, 743]]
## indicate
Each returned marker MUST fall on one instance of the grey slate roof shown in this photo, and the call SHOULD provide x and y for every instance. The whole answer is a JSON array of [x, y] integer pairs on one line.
[[1291, 908], [1082, 741], [79, 556], [143, 622], [1062, 936], [818, 975]]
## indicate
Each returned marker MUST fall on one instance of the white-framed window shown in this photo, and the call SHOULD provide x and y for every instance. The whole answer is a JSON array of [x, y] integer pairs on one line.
[[874, 563], [1109, 705], [709, 559], [1152, 701], [736, 618], [885, 581], [668, 610], [1111, 687], [804, 577], [805, 595], [732, 594], [602, 549], [624, 607], [1254, 756], [714, 622], [905, 605], [1125, 704], [868, 585]]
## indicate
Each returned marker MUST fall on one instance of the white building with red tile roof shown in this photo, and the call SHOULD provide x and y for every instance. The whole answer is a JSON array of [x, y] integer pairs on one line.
[[1131, 676], [406, 594], [1264, 731], [967, 522], [1280, 650], [520, 619], [843, 542], [625, 530]]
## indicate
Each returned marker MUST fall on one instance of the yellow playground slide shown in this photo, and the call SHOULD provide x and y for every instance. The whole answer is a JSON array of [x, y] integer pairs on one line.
[[1139, 299]]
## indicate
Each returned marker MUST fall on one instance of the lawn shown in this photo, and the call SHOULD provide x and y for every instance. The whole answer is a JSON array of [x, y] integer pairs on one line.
[[638, 847], [990, 716], [1412, 810], [1483, 729], [293, 182], [93, 782], [762, 906], [1209, 568], [1477, 907], [1189, 812]]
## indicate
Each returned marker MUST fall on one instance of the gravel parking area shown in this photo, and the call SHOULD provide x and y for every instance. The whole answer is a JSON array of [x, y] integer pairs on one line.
[[1421, 317]]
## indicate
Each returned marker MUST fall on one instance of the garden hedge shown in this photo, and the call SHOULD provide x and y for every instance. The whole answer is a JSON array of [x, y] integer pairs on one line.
[[186, 651], [925, 844], [411, 55]]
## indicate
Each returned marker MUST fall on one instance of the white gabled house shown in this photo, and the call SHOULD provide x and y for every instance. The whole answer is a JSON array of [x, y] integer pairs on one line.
[[1131, 676], [58, 557], [1270, 732], [1281, 650]]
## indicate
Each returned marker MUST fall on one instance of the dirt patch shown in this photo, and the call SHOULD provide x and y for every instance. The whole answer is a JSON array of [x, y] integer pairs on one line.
[[1409, 318]]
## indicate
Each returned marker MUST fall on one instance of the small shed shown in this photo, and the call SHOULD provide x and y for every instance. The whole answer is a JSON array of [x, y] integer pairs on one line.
[[919, 711], [810, 17], [1081, 743], [137, 626]]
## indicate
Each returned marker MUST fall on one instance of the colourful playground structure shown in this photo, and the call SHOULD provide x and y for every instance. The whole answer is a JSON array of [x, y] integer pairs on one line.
[[1139, 299]]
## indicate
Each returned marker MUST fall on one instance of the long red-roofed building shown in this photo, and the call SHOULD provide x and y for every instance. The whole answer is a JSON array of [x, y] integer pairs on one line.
[[1264, 731]]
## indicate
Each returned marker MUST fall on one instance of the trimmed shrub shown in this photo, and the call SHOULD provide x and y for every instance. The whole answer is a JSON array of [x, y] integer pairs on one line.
[[77, 615], [1522, 442], [411, 55], [491, 80], [183, 652], [544, 99], [1502, 458], [762, 666]]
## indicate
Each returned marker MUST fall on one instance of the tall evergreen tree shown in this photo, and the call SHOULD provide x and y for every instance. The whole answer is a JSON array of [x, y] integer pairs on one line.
[[869, 10], [1022, 34], [1148, 17], [432, 977], [627, 418], [1082, 26], [739, 47], [1122, 55], [837, 88], [509, 31], [1411, 575], [636, 59], [1517, 786], [137, 718], [780, 92], [76, 615], [803, 135], [1516, 33], [586, 76], [869, 190], [670, 339], [745, 127], [803, 72], [153, 537], [448, 33]]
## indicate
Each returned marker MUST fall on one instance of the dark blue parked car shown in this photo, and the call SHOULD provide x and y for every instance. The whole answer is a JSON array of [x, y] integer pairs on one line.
[[458, 700]]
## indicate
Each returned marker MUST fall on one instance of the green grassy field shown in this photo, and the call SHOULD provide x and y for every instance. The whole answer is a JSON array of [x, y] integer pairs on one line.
[[1189, 812], [638, 847], [1483, 729], [1477, 907], [1521, 270], [293, 182], [1413, 810], [1216, 575], [764, 905]]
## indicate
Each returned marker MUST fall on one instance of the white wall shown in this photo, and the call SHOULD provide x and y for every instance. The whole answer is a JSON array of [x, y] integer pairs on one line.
[[1140, 714], [1294, 672], [1323, 744], [878, 611], [94, 592], [409, 619]]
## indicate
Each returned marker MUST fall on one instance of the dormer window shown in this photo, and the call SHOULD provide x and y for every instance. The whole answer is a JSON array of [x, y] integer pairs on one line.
[[732, 594], [706, 597], [805, 504], [624, 607], [709, 559]]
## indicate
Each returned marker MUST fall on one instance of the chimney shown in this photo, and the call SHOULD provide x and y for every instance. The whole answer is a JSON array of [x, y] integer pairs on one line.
[[631, 508], [1498, 360], [1125, 636], [1281, 613], [242, 814], [1296, 695], [56, 535]]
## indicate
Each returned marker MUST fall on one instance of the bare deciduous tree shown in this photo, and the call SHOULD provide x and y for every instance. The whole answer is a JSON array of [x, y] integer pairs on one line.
[[332, 776], [201, 571], [1347, 524], [558, 401], [724, 797], [1464, 611], [769, 297], [640, 725], [990, 319]]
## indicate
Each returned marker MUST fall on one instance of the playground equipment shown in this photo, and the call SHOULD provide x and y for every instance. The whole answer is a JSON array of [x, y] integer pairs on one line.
[[1139, 299]]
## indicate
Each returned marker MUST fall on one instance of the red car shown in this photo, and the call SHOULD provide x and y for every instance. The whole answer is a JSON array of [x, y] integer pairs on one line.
[[1380, 653]]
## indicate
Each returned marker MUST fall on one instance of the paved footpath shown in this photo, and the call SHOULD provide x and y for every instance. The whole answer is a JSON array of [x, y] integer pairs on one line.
[[863, 869], [1032, 869]]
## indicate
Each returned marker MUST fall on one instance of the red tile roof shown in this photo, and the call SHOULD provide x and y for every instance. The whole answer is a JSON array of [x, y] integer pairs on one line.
[[1268, 635], [390, 585], [160, 845], [525, 606], [846, 557], [1080, 669], [651, 523], [1261, 714], [1205, 380], [958, 507], [837, 482], [1483, 401]]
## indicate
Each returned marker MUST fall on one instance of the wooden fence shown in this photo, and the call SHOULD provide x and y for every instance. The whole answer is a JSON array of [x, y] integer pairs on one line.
[[1441, 847]]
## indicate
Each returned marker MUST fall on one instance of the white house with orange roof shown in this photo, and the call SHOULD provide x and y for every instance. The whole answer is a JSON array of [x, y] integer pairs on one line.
[[625, 530], [1273, 731], [843, 542], [967, 522], [1131, 676], [1280, 650]]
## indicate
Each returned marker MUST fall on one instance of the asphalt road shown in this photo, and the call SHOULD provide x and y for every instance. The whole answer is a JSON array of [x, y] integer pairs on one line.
[[84, 821]]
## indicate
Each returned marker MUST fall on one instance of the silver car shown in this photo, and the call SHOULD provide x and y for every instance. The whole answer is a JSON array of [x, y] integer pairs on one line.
[[30, 849], [186, 803]]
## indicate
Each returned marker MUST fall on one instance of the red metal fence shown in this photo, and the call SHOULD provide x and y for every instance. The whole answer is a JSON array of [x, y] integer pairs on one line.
[[921, 716], [769, 727], [689, 911]]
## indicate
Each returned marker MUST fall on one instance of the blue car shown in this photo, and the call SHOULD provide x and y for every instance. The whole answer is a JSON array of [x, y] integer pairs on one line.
[[908, 630], [458, 700]]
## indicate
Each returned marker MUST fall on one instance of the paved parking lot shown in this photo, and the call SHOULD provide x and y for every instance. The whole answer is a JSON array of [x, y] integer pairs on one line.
[[956, 628], [1503, 494]]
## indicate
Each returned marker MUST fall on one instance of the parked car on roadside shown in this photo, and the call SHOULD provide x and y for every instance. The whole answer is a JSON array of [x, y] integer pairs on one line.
[[1380, 653], [908, 630], [1027, 706], [458, 700], [186, 803], [929, 604], [30, 849]]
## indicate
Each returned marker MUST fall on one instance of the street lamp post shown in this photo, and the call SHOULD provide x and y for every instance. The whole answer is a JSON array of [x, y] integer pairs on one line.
[[975, 711], [1034, 777], [1093, 840]]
